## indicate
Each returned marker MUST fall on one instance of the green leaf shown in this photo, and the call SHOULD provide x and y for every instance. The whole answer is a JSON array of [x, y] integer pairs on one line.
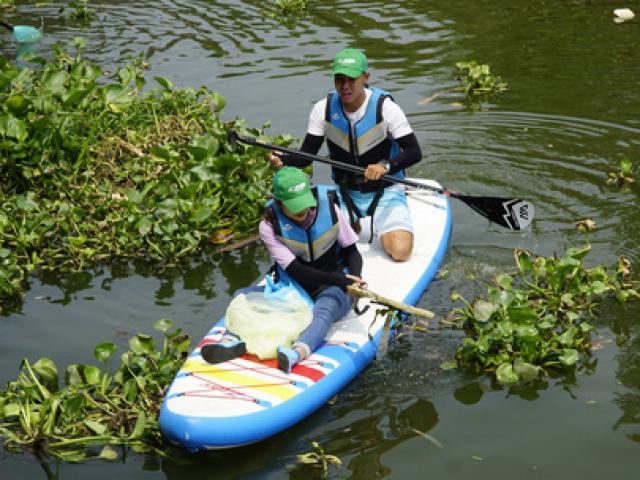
[[598, 287], [73, 456], [626, 166], [526, 331], [108, 453], [55, 83], [203, 147], [96, 427], [142, 344], [73, 375], [448, 365], [569, 357], [505, 374], [91, 374], [164, 83], [13, 127], [163, 325], [144, 226], [525, 371], [11, 410], [504, 281], [201, 214], [103, 351], [141, 424], [48, 373], [134, 196], [117, 97], [482, 310], [522, 315]]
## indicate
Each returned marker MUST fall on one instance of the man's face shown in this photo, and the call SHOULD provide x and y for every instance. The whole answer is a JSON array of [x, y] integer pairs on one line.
[[351, 90]]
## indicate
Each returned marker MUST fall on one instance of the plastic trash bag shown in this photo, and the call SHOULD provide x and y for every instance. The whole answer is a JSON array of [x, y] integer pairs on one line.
[[264, 320]]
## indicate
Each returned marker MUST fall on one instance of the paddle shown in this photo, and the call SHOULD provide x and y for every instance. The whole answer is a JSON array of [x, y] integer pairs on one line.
[[511, 213]]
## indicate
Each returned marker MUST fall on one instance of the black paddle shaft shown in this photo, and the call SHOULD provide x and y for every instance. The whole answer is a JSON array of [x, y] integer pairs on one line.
[[511, 213], [7, 25]]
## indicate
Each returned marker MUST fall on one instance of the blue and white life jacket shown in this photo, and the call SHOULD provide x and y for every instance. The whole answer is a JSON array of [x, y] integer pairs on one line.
[[317, 245], [366, 143]]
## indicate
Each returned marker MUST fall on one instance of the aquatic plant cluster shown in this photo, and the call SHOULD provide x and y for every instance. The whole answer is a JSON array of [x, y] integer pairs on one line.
[[538, 321], [94, 168], [93, 409], [477, 79]]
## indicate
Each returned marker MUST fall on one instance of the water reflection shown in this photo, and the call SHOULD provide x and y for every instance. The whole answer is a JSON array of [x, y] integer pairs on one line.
[[628, 374]]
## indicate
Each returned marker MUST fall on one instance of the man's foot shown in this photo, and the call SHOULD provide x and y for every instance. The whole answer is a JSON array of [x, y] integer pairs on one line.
[[226, 349], [287, 358]]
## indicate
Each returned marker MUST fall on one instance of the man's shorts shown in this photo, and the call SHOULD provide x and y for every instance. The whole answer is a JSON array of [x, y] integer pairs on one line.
[[392, 212]]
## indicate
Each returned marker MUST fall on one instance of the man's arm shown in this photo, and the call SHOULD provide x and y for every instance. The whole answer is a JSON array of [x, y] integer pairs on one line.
[[410, 153], [311, 144]]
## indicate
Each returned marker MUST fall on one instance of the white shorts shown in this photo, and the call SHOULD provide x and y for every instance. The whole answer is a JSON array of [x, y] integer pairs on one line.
[[392, 212]]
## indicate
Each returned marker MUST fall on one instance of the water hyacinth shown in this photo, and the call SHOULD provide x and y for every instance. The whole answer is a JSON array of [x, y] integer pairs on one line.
[[76, 414], [93, 168], [538, 321]]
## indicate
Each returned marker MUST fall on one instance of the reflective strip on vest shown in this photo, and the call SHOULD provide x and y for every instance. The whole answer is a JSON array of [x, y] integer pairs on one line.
[[337, 136], [372, 138], [324, 233]]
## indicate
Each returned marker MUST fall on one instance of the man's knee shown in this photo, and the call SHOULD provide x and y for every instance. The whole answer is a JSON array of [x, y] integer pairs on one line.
[[398, 244]]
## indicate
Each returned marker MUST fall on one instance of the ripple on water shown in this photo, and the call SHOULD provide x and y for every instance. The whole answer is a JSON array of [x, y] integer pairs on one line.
[[559, 163]]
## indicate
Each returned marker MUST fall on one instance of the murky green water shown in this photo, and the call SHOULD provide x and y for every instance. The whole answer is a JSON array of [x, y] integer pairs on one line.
[[570, 116]]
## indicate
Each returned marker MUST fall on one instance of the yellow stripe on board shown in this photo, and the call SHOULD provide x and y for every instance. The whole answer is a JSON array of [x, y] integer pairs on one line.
[[238, 379]]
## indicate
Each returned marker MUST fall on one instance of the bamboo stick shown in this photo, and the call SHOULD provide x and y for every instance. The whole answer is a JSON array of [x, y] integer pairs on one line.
[[376, 297]]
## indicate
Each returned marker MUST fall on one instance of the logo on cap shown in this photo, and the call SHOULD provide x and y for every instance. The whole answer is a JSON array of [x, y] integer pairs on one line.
[[347, 61], [296, 188]]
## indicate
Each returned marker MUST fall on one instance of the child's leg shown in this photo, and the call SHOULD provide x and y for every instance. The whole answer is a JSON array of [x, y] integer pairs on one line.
[[330, 305]]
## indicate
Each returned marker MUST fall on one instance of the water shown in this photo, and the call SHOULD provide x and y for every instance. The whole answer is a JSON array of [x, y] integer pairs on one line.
[[569, 117]]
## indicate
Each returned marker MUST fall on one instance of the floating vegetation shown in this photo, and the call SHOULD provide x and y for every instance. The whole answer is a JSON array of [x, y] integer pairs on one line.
[[80, 11], [93, 409], [586, 225], [538, 321], [476, 79], [624, 176], [288, 11], [93, 168], [318, 459]]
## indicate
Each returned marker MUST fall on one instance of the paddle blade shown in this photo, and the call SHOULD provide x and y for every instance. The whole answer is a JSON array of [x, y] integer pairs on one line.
[[511, 213]]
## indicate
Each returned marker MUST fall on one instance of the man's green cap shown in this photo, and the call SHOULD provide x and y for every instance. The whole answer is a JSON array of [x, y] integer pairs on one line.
[[350, 62], [292, 187]]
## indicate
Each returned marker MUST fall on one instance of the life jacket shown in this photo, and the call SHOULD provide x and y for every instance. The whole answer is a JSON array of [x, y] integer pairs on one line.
[[317, 245], [366, 143]]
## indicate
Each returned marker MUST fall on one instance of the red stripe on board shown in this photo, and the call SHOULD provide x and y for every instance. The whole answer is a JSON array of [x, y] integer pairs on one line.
[[299, 369], [310, 373]]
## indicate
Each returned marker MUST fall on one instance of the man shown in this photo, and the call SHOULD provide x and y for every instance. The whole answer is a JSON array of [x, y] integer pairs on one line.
[[364, 126]]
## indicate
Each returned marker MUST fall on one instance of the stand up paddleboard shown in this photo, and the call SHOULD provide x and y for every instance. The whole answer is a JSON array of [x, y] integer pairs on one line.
[[246, 400]]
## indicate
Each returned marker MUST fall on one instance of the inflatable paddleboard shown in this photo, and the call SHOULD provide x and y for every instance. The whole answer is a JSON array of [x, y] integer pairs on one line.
[[246, 400]]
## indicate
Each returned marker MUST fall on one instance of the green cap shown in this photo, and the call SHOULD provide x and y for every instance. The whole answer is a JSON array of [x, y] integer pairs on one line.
[[350, 62], [292, 187]]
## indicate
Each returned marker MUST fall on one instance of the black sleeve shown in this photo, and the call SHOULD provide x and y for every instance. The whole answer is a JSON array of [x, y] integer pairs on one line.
[[311, 144], [310, 278], [410, 153], [353, 260]]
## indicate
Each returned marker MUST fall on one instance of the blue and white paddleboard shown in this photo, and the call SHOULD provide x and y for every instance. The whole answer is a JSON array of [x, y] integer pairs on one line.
[[246, 400]]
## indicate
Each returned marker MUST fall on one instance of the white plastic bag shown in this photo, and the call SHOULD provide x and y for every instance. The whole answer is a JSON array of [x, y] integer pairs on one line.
[[264, 320]]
